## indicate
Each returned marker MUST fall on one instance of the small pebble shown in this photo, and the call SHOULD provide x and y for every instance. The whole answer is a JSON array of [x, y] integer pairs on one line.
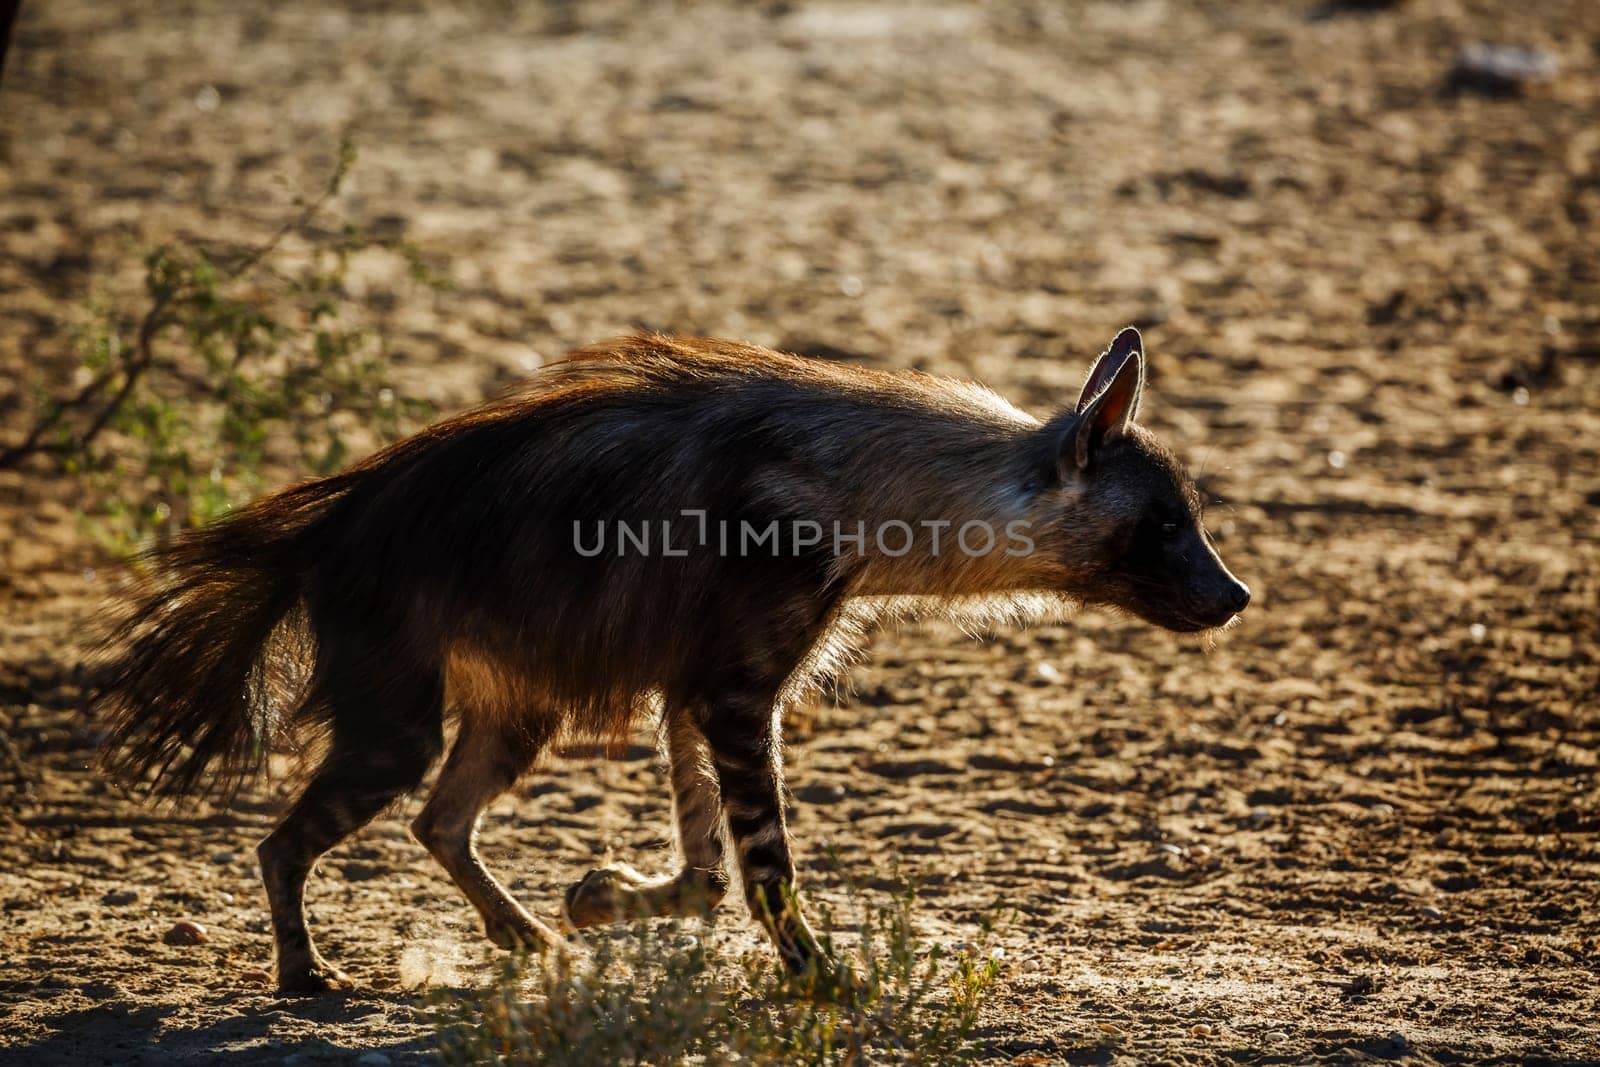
[[117, 898], [1276, 1035], [1500, 70], [185, 932], [1200, 1030], [1110, 1028], [1431, 912], [224, 857]]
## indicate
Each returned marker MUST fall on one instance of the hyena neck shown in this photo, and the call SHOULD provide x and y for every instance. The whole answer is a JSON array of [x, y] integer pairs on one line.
[[948, 522]]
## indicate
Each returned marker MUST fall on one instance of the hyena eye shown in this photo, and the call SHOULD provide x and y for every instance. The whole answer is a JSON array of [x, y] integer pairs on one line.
[[1169, 529]]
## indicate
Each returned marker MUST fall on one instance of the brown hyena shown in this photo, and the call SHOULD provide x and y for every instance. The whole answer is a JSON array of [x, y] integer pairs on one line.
[[693, 529]]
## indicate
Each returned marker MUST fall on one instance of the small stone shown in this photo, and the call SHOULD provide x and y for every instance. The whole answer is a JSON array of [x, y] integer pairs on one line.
[[1276, 1035], [119, 897], [1431, 912], [1200, 1030], [224, 857], [1109, 1028], [185, 932], [1499, 70]]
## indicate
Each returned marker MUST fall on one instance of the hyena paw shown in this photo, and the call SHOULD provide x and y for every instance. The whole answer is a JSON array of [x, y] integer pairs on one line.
[[829, 980], [602, 896], [519, 933], [313, 979]]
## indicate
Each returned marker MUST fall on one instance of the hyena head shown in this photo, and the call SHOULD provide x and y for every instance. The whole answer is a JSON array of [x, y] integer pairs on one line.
[[1117, 514]]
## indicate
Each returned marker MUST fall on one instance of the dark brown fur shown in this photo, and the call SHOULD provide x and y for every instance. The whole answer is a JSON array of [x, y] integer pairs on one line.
[[439, 579]]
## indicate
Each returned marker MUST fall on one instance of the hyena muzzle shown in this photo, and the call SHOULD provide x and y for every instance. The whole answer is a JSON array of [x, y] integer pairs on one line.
[[578, 555]]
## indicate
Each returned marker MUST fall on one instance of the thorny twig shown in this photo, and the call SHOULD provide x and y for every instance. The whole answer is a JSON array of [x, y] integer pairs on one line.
[[141, 357]]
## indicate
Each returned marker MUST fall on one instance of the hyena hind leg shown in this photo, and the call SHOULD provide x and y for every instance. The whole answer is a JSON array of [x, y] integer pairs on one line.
[[486, 760], [613, 894], [366, 769]]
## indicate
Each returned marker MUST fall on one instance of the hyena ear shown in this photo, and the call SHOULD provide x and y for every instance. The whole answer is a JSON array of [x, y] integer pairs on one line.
[[1126, 343], [1110, 398]]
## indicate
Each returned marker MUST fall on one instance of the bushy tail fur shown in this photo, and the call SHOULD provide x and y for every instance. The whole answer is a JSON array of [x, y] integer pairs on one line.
[[186, 691]]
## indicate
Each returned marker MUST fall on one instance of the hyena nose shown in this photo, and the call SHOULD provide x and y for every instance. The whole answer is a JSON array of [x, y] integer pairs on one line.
[[1238, 597]]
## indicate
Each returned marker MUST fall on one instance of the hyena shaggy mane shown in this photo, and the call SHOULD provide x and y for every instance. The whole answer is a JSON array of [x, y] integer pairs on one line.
[[684, 528]]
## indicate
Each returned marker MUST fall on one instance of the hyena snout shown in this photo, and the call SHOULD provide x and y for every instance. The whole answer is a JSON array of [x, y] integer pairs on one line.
[[1216, 597]]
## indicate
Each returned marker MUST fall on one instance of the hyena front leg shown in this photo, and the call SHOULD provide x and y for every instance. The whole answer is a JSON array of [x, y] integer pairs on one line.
[[611, 894], [748, 754], [486, 760]]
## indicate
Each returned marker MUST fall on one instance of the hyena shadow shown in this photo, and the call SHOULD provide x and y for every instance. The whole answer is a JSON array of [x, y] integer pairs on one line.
[[250, 1031]]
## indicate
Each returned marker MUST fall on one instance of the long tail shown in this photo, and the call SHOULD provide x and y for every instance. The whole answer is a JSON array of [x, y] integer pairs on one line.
[[185, 693]]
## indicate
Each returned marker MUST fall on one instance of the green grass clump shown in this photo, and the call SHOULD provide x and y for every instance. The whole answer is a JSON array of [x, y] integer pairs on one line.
[[657, 994]]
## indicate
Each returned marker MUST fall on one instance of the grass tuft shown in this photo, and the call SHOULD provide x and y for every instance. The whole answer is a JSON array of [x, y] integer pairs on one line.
[[657, 994]]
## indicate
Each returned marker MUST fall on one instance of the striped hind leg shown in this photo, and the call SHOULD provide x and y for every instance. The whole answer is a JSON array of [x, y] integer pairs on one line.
[[370, 764], [487, 759], [610, 894]]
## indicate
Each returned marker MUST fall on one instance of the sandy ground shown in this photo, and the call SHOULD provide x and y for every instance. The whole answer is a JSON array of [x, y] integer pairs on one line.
[[1364, 825]]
